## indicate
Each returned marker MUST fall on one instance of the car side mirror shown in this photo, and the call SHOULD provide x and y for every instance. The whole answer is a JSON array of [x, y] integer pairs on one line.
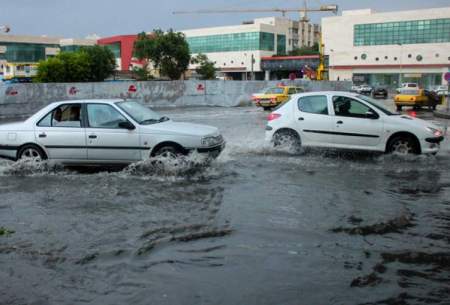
[[126, 125], [372, 115]]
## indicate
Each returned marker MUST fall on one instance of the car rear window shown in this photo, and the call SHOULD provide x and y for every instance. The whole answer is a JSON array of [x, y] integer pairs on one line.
[[317, 104]]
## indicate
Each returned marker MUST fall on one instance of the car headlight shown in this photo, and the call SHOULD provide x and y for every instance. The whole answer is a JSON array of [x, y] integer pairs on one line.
[[212, 140], [434, 131]]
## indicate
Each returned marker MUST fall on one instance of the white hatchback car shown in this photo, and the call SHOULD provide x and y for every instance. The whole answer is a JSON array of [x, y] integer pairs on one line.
[[104, 131], [349, 121]]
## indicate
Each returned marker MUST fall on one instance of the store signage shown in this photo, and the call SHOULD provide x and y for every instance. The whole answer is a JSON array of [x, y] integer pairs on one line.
[[3, 49]]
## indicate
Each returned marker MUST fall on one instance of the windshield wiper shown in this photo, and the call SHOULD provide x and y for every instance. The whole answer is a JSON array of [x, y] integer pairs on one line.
[[149, 121], [163, 119]]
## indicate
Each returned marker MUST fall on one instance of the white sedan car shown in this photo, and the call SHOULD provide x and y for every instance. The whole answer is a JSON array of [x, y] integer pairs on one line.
[[349, 121], [104, 131]]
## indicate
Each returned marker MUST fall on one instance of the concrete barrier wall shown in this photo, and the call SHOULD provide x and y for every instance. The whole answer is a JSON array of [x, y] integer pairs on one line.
[[21, 100]]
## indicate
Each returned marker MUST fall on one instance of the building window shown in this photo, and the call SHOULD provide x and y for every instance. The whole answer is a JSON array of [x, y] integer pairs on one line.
[[364, 56], [356, 57], [281, 44], [437, 55], [402, 32], [419, 57], [377, 59], [249, 41], [395, 58], [409, 55], [386, 57]]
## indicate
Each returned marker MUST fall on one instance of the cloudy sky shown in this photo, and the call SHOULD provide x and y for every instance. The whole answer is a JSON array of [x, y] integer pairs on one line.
[[78, 18]]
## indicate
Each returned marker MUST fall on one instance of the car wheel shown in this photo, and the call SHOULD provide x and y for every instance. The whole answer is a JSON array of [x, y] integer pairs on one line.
[[168, 151], [31, 151], [287, 139], [267, 108], [399, 108], [403, 145]]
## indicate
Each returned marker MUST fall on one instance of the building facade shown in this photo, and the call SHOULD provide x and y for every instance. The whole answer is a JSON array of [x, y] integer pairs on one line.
[[19, 55], [237, 50], [387, 49]]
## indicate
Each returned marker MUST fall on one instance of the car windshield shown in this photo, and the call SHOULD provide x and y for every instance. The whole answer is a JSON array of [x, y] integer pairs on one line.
[[274, 91], [141, 113], [377, 105]]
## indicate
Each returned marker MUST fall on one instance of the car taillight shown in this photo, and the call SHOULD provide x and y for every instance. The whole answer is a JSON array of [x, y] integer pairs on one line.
[[273, 116], [273, 99], [413, 114]]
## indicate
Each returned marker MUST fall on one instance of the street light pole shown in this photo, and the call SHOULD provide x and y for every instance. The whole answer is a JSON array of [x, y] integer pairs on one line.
[[401, 65]]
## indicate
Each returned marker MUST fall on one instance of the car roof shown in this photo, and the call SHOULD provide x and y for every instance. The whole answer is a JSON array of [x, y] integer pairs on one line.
[[329, 93], [102, 101]]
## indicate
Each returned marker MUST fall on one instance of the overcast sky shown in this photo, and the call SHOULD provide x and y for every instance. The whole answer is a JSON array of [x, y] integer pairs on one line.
[[78, 18]]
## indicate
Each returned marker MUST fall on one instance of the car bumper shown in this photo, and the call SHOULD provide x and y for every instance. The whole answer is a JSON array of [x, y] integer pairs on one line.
[[213, 151], [432, 144]]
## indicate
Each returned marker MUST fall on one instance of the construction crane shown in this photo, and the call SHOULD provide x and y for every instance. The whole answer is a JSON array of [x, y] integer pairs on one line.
[[304, 10]]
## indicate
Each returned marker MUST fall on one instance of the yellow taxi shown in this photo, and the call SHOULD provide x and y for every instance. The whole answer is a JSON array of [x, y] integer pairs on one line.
[[417, 98], [275, 96]]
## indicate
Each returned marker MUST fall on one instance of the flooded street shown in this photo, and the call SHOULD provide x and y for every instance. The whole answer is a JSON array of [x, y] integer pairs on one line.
[[257, 226]]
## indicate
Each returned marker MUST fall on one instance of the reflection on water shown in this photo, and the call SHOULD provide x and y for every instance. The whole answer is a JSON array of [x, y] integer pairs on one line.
[[256, 226]]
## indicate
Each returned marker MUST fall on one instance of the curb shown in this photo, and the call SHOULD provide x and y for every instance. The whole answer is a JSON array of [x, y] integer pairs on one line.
[[442, 114]]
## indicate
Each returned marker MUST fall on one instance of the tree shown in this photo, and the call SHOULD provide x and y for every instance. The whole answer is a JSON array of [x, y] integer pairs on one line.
[[206, 68], [314, 50], [168, 51], [101, 62], [88, 64]]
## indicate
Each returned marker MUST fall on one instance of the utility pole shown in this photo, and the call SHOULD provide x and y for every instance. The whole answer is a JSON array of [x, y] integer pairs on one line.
[[401, 65], [253, 70]]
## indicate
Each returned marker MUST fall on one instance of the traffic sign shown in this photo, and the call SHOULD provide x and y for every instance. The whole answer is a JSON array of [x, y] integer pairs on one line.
[[447, 76]]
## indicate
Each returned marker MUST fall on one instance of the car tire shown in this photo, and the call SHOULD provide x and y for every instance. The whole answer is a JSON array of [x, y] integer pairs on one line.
[[267, 108], [403, 145], [289, 139], [399, 108], [31, 151], [168, 151]]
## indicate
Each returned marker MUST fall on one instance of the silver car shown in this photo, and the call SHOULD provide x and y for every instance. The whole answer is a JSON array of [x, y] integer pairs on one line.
[[104, 132]]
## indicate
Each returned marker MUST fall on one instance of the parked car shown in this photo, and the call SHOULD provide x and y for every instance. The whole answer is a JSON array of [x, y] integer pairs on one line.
[[408, 87], [365, 89], [441, 90], [380, 92], [349, 121], [417, 98], [275, 96], [355, 88], [104, 131]]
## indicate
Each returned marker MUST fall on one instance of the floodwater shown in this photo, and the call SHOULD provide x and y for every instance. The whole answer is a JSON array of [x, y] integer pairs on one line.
[[257, 226]]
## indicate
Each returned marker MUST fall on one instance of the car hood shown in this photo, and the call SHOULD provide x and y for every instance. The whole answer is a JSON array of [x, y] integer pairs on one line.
[[181, 128], [412, 121]]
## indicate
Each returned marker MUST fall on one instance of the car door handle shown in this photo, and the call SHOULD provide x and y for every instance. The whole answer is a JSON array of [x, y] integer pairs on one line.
[[42, 135], [301, 119], [92, 136], [339, 122]]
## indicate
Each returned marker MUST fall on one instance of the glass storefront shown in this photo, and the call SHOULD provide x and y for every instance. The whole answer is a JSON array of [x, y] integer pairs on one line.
[[402, 32], [115, 48], [392, 81], [250, 41], [25, 52]]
